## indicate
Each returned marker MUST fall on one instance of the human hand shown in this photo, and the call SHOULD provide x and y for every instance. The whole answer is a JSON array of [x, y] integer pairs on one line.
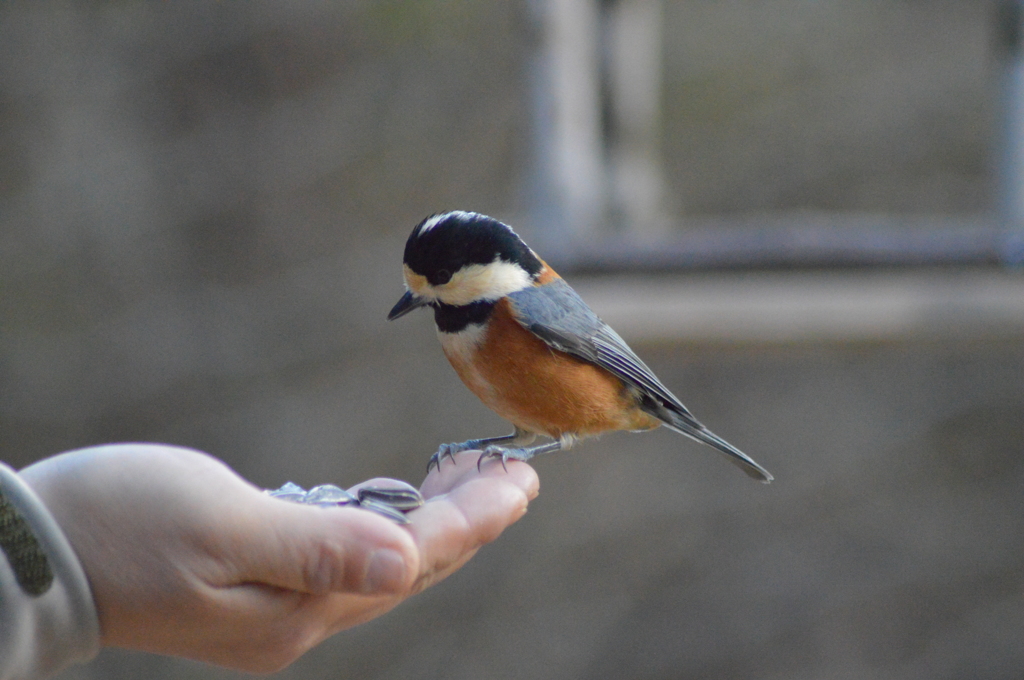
[[186, 558]]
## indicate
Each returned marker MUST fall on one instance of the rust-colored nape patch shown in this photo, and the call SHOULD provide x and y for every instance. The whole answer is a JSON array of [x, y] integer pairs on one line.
[[547, 274]]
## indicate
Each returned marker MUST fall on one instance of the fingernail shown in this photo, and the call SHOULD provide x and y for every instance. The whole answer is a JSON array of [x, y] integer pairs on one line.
[[385, 572]]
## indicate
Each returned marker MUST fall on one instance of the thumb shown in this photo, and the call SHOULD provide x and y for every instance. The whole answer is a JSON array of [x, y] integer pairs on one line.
[[320, 550]]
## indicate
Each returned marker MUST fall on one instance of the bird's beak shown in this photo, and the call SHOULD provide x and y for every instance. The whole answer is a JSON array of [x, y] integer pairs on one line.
[[408, 303]]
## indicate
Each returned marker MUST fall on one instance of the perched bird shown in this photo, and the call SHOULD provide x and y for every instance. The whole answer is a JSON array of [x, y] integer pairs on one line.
[[527, 345]]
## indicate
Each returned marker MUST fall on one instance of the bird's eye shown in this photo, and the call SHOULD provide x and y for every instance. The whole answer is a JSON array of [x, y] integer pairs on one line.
[[441, 277]]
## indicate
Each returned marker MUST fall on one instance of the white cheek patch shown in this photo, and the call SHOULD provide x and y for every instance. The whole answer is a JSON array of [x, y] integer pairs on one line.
[[417, 284], [480, 282]]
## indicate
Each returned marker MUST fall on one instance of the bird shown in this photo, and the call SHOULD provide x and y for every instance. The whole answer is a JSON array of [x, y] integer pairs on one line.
[[528, 346]]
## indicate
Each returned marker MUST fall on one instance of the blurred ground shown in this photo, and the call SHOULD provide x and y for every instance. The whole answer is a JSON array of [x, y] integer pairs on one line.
[[203, 207]]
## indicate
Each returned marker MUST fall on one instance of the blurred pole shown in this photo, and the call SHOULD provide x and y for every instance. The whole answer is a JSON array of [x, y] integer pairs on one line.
[[571, 173], [633, 52], [597, 94], [1011, 29]]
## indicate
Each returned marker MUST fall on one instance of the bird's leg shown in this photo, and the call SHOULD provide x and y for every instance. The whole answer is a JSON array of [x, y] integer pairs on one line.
[[518, 438], [523, 454]]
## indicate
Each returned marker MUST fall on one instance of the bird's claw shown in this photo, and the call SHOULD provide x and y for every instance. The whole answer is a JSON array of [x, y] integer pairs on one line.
[[445, 451], [496, 452]]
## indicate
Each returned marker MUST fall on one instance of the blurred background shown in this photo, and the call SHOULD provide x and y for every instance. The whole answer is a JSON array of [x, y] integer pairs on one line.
[[805, 216]]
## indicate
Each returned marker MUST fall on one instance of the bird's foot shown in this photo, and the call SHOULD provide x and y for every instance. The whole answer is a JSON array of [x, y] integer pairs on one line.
[[492, 447], [516, 453]]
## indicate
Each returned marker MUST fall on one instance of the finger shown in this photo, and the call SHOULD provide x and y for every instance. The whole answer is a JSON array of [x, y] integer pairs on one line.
[[450, 528], [319, 550], [448, 476]]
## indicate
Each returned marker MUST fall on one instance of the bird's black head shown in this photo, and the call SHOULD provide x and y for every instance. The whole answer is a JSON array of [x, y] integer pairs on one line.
[[455, 259], [445, 243]]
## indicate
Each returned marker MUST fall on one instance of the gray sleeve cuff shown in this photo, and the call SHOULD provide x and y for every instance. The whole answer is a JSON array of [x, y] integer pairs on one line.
[[47, 615]]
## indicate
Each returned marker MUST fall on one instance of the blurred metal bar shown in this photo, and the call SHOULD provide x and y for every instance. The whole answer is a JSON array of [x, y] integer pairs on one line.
[[598, 167], [1011, 28], [794, 241]]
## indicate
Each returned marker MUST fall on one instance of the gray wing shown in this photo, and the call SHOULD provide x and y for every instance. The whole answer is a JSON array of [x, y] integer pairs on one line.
[[556, 314]]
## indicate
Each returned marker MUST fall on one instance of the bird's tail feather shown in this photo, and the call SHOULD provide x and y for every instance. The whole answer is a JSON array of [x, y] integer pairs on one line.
[[703, 435]]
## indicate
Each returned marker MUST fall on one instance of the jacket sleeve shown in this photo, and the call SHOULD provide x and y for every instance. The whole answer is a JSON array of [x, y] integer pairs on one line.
[[47, 615]]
